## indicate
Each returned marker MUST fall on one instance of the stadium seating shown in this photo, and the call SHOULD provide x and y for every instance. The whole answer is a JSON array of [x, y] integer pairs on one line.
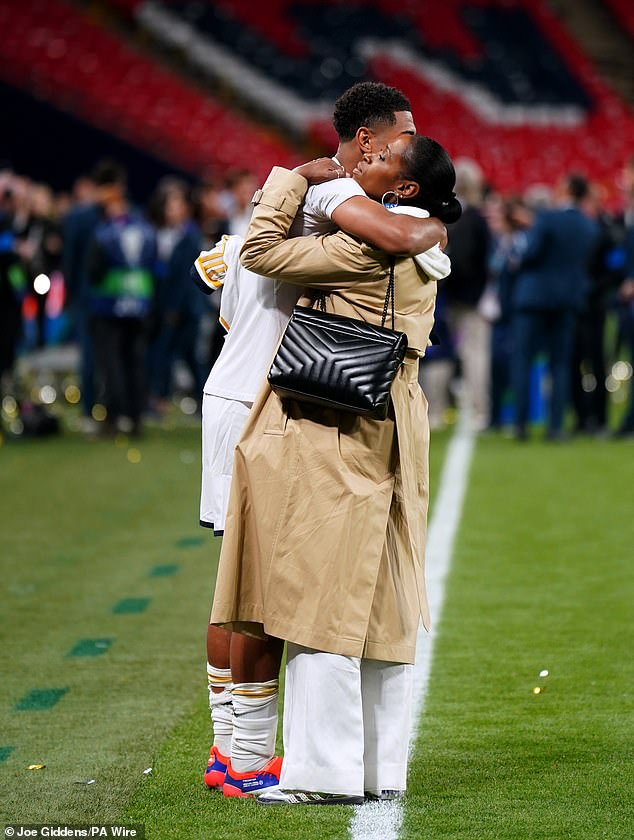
[[498, 80], [623, 11], [53, 50], [507, 53]]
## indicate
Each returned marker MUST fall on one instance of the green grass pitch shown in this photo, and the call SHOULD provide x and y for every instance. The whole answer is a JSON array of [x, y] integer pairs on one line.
[[106, 584]]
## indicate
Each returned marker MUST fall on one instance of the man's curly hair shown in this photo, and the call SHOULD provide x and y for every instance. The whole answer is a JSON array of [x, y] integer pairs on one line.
[[372, 104]]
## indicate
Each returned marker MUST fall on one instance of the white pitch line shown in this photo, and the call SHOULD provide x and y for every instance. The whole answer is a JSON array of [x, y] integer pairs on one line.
[[383, 820]]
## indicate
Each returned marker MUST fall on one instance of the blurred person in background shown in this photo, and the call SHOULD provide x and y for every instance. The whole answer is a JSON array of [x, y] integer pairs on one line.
[[605, 273], [12, 282], [539, 197], [63, 204], [212, 209], [437, 366], [550, 290], [625, 294], [21, 190], [78, 226], [509, 224], [41, 250], [242, 185], [470, 327], [120, 264], [178, 306]]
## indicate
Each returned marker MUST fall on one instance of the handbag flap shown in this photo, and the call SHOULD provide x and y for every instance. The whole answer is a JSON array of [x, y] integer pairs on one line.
[[340, 362]]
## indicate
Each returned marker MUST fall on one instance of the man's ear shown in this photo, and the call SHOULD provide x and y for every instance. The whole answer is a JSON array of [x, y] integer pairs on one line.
[[364, 139], [407, 189]]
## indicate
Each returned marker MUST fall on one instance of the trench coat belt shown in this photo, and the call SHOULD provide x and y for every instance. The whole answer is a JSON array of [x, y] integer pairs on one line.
[[410, 365]]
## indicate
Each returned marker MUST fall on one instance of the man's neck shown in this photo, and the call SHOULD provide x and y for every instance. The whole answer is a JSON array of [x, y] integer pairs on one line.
[[348, 155]]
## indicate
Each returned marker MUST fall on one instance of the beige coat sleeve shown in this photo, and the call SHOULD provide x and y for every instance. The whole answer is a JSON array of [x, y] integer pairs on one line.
[[306, 260]]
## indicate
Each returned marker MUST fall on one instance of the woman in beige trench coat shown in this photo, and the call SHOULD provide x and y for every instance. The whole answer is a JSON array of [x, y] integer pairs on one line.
[[325, 536]]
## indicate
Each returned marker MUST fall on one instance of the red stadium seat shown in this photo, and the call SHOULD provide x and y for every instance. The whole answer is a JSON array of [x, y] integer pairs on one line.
[[51, 48], [507, 136]]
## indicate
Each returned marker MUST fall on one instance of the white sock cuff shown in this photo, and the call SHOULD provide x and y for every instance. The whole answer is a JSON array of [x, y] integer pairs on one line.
[[254, 724], [255, 694], [219, 677]]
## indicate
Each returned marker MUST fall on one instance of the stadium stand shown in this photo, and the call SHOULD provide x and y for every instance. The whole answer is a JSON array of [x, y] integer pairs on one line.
[[623, 11], [502, 50], [53, 146], [54, 51], [499, 80]]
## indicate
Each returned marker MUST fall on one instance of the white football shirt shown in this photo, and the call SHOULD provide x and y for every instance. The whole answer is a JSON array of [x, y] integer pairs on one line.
[[255, 310]]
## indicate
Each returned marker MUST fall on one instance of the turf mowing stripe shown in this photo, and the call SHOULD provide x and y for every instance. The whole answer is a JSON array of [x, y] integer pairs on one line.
[[40, 699], [5, 752], [164, 571], [131, 605], [189, 542], [90, 647], [384, 819]]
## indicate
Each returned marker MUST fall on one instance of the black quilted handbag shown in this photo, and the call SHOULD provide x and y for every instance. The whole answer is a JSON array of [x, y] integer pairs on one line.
[[339, 362]]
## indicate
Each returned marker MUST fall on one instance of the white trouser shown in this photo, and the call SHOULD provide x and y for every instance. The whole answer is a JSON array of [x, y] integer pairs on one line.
[[346, 723]]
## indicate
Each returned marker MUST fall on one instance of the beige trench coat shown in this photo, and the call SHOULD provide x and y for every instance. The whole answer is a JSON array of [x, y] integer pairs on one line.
[[325, 535]]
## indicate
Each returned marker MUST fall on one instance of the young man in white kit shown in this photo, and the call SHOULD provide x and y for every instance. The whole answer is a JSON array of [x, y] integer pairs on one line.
[[243, 671]]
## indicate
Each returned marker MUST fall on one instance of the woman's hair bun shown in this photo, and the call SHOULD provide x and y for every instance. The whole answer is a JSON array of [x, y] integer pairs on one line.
[[428, 163], [449, 211]]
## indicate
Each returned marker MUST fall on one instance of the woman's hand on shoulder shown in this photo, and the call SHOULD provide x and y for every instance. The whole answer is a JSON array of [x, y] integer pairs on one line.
[[320, 170]]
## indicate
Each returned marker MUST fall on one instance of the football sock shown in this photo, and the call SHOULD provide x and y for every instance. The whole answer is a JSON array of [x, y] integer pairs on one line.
[[221, 706], [254, 725]]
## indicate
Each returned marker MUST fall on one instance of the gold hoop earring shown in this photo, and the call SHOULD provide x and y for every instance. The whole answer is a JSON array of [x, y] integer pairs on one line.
[[390, 205]]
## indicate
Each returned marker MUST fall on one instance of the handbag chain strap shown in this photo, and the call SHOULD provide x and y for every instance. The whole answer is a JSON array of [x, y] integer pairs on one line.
[[389, 297]]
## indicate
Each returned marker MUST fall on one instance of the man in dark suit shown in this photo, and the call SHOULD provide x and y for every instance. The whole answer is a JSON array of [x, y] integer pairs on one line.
[[12, 283], [550, 290], [77, 230], [120, 265], [626, 291], [470, 328], [179, 305]]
